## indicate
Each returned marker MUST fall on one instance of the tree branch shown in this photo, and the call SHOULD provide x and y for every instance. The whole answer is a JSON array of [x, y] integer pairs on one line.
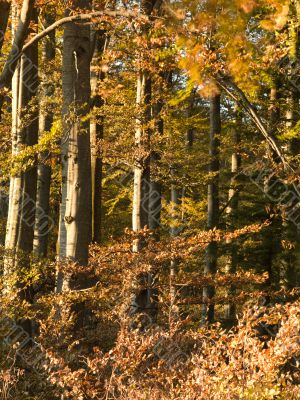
[[19, 39], [243, 101], [5, 7], [18, 48]]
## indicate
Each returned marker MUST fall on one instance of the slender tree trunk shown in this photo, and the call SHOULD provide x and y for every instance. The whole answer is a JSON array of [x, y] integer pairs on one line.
[[232, 210], [146, 301], [212, 206], [23, 186], [155, 185], [41, 228], [140, 213], [19, 233], [96, 128], [14, 207], [29, 71], [175, 203], [76, 208]]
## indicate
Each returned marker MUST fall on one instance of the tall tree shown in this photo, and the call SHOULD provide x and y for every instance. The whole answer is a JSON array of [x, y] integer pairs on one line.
[[210, 266], [29, 82], [145, 301], [96, 127], [20, 221], [76, 203], [14, 206], [233, 206], [45, 124]]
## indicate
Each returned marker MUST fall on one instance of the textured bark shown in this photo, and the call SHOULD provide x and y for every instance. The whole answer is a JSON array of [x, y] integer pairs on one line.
[[76, 209], [212, 206], [232, 209], [44, 170]]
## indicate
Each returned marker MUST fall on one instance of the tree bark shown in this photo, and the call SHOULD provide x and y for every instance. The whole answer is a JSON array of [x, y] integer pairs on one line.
[[212, 206], [76, 208]]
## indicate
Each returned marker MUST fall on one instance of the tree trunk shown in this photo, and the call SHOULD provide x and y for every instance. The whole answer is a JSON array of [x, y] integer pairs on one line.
[[41, 229], [175, 203], [29, 72], [212, 206], [76, 207], [15, 209], [146, 301], [155, 186], [96, 128], [140, 212], [232, 210]]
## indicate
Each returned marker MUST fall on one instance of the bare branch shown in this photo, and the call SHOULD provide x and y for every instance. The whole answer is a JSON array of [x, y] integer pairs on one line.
[[18, 48], [243, 101], [20, 36]]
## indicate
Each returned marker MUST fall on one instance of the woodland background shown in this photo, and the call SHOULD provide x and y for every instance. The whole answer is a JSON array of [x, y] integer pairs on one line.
[[150, 213]]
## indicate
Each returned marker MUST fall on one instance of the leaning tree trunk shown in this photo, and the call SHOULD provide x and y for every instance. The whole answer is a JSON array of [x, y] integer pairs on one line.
[[212, 206], [42, 226], [76, 207], [232, 210], [20, 34]]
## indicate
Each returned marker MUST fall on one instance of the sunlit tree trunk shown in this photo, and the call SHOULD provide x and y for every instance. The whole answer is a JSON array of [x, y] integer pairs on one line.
[[140, 213], [210, 266], [44, 169], [14, 207], [76, 207], [20, 222]]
